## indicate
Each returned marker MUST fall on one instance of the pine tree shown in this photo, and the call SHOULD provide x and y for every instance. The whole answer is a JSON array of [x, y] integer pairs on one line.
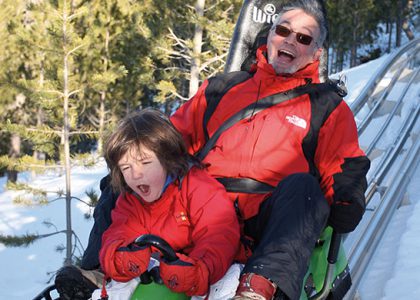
[[196, 46], [11, 69], [49, 42], [101, 28]]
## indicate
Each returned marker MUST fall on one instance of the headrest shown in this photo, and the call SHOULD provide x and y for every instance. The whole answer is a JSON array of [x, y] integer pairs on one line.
[[251, 31]]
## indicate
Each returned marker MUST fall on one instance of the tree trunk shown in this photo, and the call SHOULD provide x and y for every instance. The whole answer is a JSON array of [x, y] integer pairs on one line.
[[353, 50], [102, 113], [14, 153], [405, 23], [331, 63], [336, 60], [197, 43], [39, 113], [101, 126], [15, 140], [66, 139], [389, 37], [340, 60], [398, 24]]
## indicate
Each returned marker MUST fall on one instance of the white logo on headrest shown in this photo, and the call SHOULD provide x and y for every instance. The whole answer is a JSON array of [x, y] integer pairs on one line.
[[267, 15], [269, 9], [295, 120]]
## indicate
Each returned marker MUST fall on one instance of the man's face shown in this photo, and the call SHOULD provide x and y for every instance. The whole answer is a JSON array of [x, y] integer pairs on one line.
[[286, 54]]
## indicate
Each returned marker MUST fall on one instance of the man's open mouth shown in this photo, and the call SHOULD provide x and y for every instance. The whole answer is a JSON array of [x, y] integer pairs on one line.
[[286, 55]]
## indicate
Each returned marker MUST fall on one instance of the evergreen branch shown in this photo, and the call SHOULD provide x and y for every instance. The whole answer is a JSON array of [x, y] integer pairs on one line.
[[175, 69], [41, 167], [216, 71], [77, 241], [180, 96], [70, 52], [178, 40], [18, 241], [81, 11], [26, 162], [32, 129], [93, 119], [211, 7], [212, 60], [73, 92], [39, 194], [24, 240], [175, 54], [81, 132], [49, 224], [21, 129], [72, 197], [93, 197], [61, 94]]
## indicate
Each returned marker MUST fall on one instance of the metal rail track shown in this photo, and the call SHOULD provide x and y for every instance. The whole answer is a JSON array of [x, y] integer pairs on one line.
[[392, 167]]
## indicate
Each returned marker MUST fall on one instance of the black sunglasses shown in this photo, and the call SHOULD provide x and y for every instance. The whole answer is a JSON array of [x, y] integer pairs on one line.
[[283, 31]]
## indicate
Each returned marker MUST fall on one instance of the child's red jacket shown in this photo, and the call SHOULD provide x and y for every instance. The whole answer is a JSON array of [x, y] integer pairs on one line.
[[195, 216]]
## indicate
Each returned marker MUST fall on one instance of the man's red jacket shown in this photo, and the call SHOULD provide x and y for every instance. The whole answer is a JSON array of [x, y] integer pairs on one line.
[[308, 134]]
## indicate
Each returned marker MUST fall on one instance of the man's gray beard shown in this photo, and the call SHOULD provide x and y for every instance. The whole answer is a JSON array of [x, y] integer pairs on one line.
[[281, 70]]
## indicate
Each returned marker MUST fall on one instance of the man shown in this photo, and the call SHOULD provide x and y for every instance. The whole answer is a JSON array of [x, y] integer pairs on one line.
[[292, 168]]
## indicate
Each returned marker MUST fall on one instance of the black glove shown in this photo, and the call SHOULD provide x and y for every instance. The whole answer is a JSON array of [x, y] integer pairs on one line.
[[345, 216], [151, 275]]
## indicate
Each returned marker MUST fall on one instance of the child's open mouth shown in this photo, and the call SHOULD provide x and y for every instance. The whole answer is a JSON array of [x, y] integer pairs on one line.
[[144, 188]]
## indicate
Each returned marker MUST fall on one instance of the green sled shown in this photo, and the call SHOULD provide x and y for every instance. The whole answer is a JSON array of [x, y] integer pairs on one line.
[[313, 282], [316, 276], [156, 291]]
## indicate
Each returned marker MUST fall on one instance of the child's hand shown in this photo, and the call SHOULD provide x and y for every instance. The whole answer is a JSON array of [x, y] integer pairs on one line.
[[130, 262], [185, 275]]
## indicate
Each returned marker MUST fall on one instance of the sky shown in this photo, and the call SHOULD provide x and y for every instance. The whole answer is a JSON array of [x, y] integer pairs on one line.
[[394, 272]]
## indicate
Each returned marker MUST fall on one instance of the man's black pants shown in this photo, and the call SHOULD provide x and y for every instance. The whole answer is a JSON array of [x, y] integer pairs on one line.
[[285, 232]]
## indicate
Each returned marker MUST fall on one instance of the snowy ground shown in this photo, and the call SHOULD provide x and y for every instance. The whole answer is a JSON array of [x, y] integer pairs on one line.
[[393, 274], [26, 271]]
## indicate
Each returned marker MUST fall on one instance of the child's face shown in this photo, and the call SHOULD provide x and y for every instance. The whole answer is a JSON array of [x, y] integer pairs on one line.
[[143, 173]]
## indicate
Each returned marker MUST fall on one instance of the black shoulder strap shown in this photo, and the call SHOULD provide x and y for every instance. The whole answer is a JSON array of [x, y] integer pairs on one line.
[[260, 105], [217, 88]]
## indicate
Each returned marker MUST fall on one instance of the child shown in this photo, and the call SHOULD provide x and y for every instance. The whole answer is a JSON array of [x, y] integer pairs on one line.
[[165, 192]]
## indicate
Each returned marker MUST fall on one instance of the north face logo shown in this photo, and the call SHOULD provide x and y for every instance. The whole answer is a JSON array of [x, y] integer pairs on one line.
[[267, 15], [295, 120], [133, 267], [173, 281]]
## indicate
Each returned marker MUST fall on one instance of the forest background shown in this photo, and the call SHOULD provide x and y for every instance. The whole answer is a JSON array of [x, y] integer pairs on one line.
[[70, 69]]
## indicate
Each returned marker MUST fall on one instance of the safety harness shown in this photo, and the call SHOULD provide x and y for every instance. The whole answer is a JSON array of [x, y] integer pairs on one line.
[[218, 86]]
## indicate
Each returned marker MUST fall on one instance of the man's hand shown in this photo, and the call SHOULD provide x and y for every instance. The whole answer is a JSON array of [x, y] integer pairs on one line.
[[345, 216], [131, 261], [185, 275]]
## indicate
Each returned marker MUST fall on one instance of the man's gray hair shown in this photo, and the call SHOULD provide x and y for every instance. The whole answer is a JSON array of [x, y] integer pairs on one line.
[[312, 8]]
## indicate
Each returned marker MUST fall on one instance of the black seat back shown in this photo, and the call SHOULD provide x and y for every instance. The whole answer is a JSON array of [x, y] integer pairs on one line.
[[251, 30]]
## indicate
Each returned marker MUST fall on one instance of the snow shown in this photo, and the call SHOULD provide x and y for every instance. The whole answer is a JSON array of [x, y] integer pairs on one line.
[[26, 271], [394, 273]]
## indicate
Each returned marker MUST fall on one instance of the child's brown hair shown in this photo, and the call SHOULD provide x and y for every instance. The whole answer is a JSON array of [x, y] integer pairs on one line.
[[153, 130]]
